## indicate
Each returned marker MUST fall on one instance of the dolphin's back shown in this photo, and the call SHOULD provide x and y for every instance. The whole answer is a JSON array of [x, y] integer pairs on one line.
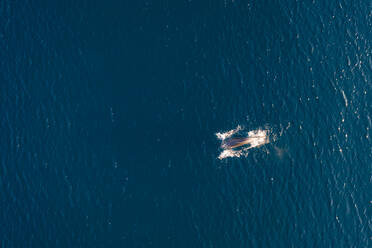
[[234, 142]]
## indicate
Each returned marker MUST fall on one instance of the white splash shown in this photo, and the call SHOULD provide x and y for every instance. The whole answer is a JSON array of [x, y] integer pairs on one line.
[[223, 136], [252, 139]]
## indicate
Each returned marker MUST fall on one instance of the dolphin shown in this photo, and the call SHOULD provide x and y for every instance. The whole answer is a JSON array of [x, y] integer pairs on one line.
[[236, 142]]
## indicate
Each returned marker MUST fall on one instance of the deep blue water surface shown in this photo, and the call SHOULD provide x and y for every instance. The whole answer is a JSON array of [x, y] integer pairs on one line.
[[109, 111]]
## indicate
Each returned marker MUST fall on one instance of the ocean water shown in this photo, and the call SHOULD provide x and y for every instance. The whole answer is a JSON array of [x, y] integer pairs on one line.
[[109, 115]]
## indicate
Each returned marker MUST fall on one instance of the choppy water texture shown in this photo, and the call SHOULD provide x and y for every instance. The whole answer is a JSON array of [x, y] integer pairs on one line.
[[109, 111]]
